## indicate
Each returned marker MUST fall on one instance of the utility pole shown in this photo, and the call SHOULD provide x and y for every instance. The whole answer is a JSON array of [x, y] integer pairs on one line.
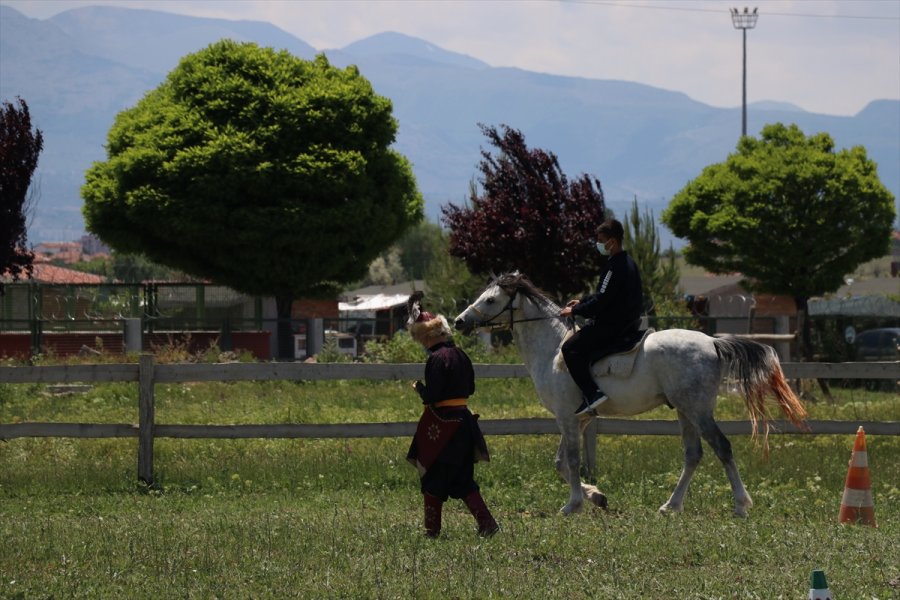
[[744, 21]]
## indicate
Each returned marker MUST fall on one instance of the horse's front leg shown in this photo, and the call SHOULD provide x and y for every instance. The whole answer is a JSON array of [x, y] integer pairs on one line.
[[568, 464]]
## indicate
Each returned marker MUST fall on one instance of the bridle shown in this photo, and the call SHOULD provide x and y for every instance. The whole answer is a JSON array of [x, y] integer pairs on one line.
[[508, 324]]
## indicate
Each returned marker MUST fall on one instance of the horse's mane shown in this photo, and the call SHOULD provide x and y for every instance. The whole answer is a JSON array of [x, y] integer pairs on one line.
[[521, 284]]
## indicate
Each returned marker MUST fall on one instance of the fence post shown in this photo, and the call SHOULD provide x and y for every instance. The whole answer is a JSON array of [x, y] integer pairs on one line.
[[783, 325], [133, 335], [146, 418]]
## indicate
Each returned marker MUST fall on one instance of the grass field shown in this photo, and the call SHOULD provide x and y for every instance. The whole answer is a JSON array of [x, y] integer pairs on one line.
[[342, 518]]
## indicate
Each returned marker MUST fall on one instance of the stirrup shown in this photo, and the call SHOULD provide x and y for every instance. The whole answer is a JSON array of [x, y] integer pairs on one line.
[[597, 399]]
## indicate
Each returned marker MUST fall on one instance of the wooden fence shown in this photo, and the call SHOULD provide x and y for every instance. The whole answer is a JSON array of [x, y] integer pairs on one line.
[[148, 374]]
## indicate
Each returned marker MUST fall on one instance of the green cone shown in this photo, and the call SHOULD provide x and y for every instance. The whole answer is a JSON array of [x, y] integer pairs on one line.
[[818, 580]]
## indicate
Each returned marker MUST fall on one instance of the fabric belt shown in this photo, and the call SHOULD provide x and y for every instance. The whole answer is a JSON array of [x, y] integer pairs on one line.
[[450, 402]]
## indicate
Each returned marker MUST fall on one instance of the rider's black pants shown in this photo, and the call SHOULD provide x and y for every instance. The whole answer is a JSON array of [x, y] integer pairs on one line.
[[589, 342]]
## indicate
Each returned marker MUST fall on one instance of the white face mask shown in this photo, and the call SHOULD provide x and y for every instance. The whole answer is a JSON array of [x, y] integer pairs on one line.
[[601, 248]]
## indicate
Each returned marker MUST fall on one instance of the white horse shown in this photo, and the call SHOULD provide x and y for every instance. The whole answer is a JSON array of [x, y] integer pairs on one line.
[[679, 367]]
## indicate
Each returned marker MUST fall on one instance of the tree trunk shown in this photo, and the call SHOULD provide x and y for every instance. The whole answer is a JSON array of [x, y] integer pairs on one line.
[[806, 341], [284, 332], [803, 326]]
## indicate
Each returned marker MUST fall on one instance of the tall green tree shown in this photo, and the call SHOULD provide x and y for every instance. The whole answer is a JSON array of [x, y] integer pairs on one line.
[[420, 247], [789, 212], [19, 151], [257, 170], [659, 272], [450, 282], [529, 216]]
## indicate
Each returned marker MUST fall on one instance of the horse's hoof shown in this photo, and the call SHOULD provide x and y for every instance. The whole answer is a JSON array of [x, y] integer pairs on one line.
[[570, 508], [741, 513], [669, 509], [598, 499]]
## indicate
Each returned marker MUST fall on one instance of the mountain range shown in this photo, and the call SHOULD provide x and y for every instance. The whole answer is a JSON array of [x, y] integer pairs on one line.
[[79, 68]]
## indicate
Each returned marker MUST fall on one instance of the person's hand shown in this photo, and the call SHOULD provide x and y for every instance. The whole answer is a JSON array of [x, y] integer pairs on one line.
[[572, 303], [566, 312]]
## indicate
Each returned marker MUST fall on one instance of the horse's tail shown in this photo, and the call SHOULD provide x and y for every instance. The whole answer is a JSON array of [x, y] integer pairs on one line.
[[758, 373]]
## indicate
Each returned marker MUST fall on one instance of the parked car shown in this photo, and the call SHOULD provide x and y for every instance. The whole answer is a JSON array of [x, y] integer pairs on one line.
[[878, 344]]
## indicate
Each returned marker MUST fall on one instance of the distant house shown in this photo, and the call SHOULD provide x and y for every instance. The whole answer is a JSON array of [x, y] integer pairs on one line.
[[85, 248], [66, 252], [377, 310], [44, 272], [737, 310], [92, 246]]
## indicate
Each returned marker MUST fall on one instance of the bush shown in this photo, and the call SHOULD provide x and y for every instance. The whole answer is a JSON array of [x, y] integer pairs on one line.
[[330, 352], [400, 348], [403, 349]]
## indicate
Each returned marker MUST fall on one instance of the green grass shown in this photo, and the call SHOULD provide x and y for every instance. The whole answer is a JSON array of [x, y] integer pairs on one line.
[[342, 518]]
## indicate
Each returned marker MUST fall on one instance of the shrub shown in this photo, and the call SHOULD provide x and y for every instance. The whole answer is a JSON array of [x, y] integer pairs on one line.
[[401, 348], [330, 352]]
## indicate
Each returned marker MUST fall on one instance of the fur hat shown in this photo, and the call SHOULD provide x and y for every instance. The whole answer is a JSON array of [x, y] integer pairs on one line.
[[425, 327]]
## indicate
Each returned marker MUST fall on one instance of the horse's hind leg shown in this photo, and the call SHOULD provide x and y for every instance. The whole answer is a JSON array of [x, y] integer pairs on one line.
[[693, 452], [720, 444]]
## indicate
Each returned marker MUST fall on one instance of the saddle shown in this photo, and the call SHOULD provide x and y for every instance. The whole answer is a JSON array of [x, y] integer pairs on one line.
[[620, 361]]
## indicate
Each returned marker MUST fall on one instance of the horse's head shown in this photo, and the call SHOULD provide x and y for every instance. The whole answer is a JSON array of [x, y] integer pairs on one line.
[[494, 308]]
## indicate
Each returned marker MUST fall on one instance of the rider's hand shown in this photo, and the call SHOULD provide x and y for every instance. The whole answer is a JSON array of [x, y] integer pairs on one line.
[[572, 303], [567, 311]]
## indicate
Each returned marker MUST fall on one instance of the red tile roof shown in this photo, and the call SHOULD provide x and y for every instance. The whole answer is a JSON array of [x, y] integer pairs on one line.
[[47, 273]]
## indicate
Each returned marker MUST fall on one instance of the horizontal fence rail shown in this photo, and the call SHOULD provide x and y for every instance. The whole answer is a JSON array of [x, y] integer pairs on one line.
[[183, 373], [533, 426], [147, 375]]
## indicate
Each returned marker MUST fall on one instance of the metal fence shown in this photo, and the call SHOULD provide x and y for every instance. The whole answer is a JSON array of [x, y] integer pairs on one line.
[[40, 309]]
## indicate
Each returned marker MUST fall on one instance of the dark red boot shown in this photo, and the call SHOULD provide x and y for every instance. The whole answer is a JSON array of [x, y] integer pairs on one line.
[[487, 526], [433, 506]]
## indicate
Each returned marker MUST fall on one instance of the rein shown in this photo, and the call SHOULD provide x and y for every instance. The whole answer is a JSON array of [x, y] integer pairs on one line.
[[492, 326]]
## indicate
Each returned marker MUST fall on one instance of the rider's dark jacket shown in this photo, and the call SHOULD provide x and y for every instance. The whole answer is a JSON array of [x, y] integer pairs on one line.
[[619, 298]]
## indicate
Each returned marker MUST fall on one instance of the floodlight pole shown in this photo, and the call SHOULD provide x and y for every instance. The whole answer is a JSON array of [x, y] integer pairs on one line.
[[744, 21]]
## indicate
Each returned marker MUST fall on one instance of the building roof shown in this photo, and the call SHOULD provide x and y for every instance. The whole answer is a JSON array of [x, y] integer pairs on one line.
[[46, 273], [373, 302], [404, 287], [379, 297], [856, 306], [694, 285], [708, 284]]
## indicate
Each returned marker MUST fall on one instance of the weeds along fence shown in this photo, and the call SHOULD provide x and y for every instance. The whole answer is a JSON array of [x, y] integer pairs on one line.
[[147, 374]]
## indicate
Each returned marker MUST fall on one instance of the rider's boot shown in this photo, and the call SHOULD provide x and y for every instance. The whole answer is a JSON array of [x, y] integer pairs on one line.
[[589, 403]]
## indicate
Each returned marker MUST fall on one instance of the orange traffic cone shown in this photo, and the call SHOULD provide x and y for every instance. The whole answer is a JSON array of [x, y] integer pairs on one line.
[[857, 505]]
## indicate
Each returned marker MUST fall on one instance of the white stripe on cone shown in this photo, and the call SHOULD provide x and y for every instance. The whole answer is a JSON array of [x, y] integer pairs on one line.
[[857, 498]]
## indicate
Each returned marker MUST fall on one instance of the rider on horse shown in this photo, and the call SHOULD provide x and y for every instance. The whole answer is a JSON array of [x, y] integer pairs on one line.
[[613, 314]]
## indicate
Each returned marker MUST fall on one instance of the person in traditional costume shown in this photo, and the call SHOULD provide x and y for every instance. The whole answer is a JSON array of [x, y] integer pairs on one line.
[[448, 440]]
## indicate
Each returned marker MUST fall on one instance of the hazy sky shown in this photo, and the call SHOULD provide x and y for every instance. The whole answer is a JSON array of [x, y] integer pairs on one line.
[[828, 56]]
